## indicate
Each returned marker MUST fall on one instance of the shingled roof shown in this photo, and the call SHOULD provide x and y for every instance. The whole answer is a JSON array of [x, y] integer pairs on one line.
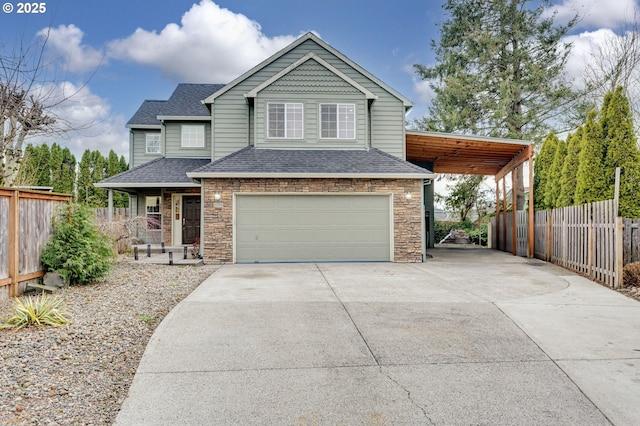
[[186, 100], [252, 162], [147, 114], [161, 172]]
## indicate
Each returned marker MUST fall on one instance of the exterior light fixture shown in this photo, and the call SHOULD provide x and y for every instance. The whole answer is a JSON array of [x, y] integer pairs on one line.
[[407, 196], [217, 196]]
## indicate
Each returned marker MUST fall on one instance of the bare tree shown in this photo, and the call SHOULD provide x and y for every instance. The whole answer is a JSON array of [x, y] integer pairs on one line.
[[616, 62], [29, 95]]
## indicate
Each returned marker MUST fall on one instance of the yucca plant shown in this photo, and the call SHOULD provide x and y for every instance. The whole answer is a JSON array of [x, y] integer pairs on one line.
[[41, 310]]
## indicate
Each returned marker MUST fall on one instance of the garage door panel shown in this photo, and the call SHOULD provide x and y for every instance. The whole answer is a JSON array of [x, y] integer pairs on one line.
[[307, 228]]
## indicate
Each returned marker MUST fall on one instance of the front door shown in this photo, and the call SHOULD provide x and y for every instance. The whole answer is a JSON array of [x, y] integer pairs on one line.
[[190, 219]]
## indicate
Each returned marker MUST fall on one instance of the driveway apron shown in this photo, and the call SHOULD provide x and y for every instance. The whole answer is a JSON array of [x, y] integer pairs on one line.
[[468, 337]]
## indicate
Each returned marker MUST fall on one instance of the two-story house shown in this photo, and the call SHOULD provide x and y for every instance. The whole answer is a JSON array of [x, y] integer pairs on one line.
[[302, 158]]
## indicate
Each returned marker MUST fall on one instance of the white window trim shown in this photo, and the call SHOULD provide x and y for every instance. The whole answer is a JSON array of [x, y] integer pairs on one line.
[[156, 201], [285, 120], [197, 127], [338, 105], [154, 135]]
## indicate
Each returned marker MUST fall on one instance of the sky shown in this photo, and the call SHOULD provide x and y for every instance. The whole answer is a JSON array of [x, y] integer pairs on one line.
[[107, 57]]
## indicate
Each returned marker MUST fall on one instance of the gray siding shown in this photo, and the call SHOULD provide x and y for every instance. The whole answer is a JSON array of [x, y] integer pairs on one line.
[[311, 110], [231, 111], [139, 154], [173, 142]]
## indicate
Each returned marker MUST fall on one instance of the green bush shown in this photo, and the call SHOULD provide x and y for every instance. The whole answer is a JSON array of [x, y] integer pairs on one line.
[[78, 251], [477, 231], [39, 311]]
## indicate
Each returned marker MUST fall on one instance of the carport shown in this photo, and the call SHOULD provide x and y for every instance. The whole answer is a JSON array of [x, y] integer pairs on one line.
[[510, 161]]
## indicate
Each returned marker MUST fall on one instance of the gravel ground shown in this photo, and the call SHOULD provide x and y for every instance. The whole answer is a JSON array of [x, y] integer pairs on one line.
[[81, 373]]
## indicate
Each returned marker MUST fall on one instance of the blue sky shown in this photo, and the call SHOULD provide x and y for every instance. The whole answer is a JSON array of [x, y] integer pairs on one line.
[[114, 54]]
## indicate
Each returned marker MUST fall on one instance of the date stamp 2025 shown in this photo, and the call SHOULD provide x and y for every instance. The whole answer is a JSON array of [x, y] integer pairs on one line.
[[22, 8]]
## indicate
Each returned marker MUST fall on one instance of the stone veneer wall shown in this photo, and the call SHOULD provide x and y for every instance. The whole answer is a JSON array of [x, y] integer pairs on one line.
[[166, 210], [218, 215]]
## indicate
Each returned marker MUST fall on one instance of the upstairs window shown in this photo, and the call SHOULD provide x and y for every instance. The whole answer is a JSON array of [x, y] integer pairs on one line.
[[337, 121], [193, 136], [285, 120], [153, 143]]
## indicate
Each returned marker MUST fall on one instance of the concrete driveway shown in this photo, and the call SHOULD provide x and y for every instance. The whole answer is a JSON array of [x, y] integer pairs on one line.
[[468, 337]]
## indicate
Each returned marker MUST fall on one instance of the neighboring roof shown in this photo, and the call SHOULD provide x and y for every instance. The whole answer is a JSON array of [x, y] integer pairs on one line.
[[186, 101], [462, 154], [147, 115], [309, 163], [162, 172], [309, 36]]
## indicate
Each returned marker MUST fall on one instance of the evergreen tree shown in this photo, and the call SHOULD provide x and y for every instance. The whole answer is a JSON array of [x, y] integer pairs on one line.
[[590, 183], [554, 175], [66, 184], [99, 173], [117, 165], [570, 169], [498, 72], [86, 189], [541, 168], [34, 168], [622, 151], [55, 165]]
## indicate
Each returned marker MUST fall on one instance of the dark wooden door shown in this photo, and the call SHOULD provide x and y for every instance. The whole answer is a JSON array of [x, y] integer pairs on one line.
[[190, 219]]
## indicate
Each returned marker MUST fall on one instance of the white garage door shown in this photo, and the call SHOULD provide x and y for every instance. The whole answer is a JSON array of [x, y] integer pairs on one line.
[[312, 228]]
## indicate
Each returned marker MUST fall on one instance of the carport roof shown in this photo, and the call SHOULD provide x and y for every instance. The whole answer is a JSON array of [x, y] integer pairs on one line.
[[462, 154]]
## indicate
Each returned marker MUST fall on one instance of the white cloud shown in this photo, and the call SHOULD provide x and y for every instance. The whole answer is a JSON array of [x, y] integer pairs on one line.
[[596, 13], [84, 119], [211, 44], [584, 46], [423, 90], [65, 43]]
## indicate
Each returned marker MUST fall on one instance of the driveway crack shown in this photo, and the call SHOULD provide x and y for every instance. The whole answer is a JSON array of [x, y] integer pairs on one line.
[[344, 307], [409, 396]]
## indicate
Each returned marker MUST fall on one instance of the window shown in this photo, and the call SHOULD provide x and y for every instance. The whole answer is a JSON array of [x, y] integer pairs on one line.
[[153, 143], [193, 136], [338, 121], [154, 217], [285, 121]]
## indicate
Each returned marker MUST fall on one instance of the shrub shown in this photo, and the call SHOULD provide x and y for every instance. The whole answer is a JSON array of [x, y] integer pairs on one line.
[[39, 311], [78, 251], [631, 275]]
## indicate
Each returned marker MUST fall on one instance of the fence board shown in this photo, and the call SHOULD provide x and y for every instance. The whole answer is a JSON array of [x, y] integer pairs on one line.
[[32, 228], [631, 240], [580, 238]]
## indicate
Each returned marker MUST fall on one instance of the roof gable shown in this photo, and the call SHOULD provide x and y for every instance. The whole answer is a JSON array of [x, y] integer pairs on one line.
[[308, 36], [326, 75]]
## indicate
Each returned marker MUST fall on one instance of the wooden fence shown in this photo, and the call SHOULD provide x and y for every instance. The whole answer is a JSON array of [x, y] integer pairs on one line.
[[25, 227], [630, 240], [119, 213], [502, 235], [587, 239]]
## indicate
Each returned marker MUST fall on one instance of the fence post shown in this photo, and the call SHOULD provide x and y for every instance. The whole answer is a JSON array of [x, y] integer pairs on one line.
[[14, 242], [549, 235], [619, 261]]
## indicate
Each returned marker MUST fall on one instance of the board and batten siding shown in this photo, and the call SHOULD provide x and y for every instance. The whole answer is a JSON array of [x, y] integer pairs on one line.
[[139, 154], [231, 110], [173, 140]]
